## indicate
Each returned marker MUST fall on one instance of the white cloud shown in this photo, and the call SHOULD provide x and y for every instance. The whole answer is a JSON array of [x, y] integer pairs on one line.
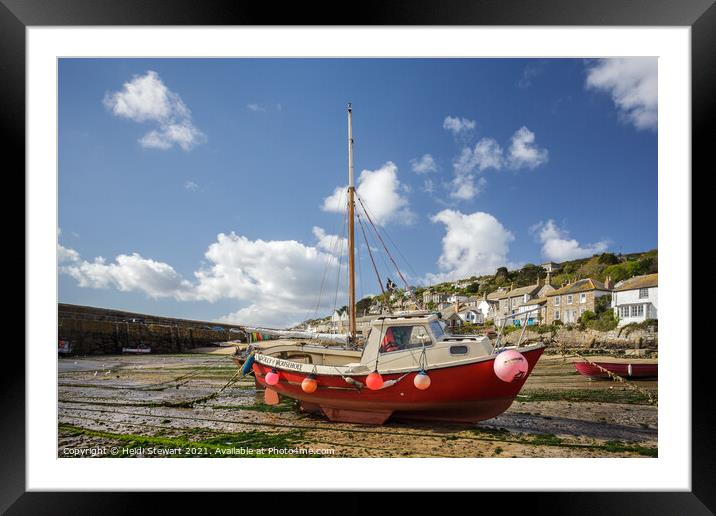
[[475, 243], [465, 187], [530, 71], [257, 108], [428, 186], [131, 273], [330, 243], [191, 186], [633, 85], [280, 280], [382, 194], [524, 153], [487, 153], [65, 254], [559, 247], [457, 125], [424, 164], [147, 99]]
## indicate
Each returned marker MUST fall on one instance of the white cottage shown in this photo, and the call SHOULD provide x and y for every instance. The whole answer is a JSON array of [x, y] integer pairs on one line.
[[636, 299]]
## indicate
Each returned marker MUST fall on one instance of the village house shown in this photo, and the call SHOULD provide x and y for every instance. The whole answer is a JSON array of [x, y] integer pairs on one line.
[[473, 301], [471, 316], [636, 299], [488, 305], [456, 315], [550, 266], [339, 321], [434, 297], [537, 310], [568, 303], [457, 298], [512, 301]]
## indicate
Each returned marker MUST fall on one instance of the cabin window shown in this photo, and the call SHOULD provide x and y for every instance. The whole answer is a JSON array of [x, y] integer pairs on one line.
[[556, 301], [399, 338], [569, 299], [583, 298], [437, 329], [556, 315], [458, 350], [643, 293]]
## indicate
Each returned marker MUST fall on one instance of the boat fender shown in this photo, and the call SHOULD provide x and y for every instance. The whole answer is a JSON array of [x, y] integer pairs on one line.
[[248, 365], [355, 383]]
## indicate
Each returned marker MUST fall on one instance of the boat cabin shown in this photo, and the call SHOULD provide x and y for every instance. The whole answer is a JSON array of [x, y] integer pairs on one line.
[[403, 341]]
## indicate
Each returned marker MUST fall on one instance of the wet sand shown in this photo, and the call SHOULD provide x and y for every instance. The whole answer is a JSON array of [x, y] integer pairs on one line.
[[168, 405]]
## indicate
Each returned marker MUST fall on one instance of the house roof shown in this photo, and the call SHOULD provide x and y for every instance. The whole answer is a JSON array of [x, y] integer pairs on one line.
[[538, 301], [583, 285], [519, 292], [648, 280]]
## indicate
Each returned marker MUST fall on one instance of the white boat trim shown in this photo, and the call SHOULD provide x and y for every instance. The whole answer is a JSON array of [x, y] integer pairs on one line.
[[360, 369]]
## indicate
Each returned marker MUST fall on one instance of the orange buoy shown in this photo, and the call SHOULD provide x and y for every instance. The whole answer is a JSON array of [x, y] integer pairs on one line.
[[309, 384], [374, 381]]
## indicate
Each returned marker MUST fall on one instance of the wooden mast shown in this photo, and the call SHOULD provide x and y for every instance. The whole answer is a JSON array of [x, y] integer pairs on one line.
[[351, 233]]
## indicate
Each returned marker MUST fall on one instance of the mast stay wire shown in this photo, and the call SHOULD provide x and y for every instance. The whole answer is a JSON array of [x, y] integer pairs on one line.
[[365, 237], [340, 262], [332, 253], [385, 231], [407, 287]]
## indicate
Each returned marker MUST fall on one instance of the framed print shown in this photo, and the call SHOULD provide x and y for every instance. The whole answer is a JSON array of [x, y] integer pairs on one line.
[[420, 239]]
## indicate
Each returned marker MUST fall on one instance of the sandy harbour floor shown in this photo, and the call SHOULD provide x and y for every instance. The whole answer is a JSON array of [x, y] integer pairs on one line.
[[162, 406]]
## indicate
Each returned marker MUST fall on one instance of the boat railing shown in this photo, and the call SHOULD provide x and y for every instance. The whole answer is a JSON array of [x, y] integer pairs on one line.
[[498, 345]]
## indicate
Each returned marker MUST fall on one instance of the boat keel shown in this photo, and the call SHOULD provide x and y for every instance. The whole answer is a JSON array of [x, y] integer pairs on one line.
[[365, 417]]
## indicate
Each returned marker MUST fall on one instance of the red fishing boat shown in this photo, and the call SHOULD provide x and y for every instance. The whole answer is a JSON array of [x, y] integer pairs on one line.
[[405, 367], [625, 370], [409, 369]]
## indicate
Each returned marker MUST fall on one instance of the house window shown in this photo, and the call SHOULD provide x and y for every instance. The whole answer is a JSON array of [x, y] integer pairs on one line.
[[581, 311], [637, 310], [643, 293], [569, 299], [583, 297], [556, 315], [623, 311], [556, 303]]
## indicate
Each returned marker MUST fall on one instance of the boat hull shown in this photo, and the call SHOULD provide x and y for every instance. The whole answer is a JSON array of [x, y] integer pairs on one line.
[[623, 370], [464, 393]]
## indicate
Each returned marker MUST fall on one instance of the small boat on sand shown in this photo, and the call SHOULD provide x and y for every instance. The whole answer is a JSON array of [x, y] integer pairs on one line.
[[405, 366], [625, 370]]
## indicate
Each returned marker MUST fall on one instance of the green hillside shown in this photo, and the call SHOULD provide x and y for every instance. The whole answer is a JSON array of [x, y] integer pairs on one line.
[[598, 267]]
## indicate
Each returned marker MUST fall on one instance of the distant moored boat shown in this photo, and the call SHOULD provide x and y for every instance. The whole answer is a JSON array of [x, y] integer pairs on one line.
[[625, 370]]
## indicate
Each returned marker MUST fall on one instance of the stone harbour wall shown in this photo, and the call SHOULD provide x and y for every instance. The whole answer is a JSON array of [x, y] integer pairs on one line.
[[106, 337], [93, 331], [593, 339]]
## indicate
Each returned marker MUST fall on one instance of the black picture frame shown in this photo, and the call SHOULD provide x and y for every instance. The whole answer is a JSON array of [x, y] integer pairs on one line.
[[699, 15]]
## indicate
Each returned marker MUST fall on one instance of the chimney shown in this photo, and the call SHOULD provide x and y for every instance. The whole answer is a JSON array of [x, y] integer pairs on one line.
[[548, 280], [608, 283], [512, 286]]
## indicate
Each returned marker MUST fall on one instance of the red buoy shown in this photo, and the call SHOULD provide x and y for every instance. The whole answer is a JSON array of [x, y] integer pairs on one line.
[[272, 377], [374, 381]]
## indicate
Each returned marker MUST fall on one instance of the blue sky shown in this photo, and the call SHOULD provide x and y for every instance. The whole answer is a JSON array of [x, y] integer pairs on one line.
[[471, 164]]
